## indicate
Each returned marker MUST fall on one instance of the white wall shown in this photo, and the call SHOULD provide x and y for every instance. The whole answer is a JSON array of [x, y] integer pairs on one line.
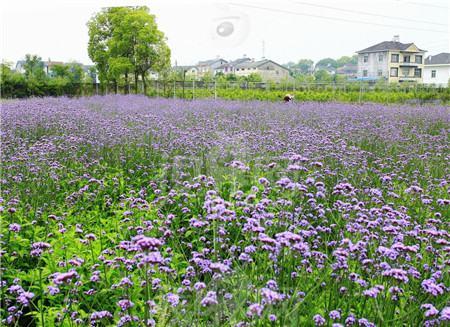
[[442, 74], [373, 64]]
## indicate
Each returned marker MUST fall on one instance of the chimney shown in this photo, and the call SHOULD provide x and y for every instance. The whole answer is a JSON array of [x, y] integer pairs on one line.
[[396, 38]]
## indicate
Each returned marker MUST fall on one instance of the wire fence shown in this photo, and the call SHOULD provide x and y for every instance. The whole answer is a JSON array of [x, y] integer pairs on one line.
[[352, 91]]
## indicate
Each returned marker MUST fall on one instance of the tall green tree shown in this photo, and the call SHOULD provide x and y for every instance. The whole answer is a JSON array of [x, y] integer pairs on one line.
[[34, 67], [346, 60], [100, 33], [326, 62], [126, 41]]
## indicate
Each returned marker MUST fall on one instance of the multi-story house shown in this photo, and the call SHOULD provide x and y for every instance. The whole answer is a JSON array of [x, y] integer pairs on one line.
[[268, 70], [392, 61], [46, 66], [437, 69], [349, 71], [230, 67], [208, 67]]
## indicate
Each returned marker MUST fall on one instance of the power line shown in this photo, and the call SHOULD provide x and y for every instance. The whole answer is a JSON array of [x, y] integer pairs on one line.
[[425, 4], [366, 13], [333, 18]]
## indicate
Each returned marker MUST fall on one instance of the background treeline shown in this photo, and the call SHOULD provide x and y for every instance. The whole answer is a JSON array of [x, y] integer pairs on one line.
[[62, 79]]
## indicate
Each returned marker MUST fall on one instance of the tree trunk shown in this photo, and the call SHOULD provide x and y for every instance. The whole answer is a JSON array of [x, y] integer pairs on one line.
[[126, 83], [136, 77], [144, 83]]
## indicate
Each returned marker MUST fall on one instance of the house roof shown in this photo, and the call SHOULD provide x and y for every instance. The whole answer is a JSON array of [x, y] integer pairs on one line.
[[348, 69], [181, 68], [210, 62], [255, 64], [234, 63], [387, 45], [439, 59]]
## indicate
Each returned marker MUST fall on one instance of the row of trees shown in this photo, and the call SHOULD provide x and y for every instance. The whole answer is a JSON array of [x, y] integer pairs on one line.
[[307, 66], [62, 79], [126, 44]]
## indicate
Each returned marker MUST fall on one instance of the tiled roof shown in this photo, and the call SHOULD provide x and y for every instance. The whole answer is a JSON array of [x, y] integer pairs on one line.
[[209, 62], [439, 59], [387, 45]]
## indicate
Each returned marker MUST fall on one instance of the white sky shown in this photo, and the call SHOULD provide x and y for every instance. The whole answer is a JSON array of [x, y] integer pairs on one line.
[[290, 29]]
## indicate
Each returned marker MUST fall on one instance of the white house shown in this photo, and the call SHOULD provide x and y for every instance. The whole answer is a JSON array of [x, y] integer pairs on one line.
[[207, 67], [437, 69], [392, 61], [230, 67]]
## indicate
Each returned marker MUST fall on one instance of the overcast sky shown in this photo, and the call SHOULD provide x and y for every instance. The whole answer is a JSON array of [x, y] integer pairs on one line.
[[281, 30]]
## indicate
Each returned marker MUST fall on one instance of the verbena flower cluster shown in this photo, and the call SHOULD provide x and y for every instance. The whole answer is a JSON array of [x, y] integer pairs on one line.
[[130, 211]]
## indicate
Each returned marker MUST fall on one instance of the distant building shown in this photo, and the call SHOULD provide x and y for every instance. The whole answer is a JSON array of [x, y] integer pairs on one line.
[[268, 70], [230, 67], [437, 69], [209, 66], [328, 68], [348, 70], [190, 71], [48, 65], [392, 61]]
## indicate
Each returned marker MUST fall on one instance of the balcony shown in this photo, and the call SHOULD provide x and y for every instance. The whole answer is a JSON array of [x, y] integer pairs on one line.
[[408, 78], [408, 64]]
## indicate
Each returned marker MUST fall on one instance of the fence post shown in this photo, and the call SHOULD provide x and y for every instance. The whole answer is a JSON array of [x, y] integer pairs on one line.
[[360, 92], [215, 89]]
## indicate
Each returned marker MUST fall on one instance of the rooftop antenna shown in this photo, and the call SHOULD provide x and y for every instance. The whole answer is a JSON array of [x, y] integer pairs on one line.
[[396, 38], [263, 49]]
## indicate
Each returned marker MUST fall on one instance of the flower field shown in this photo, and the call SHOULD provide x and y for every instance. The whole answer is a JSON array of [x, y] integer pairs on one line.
[[131, 211]]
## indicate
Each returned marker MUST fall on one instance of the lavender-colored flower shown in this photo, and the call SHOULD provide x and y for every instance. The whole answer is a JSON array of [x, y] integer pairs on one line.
[[125, 304], [255, 309], [173, 299], [445, 314], [271, 297], [209, 299], [319, 320], [53, 290], [14, 228], [147, 243], [24, 298], [61, 278], [335, 315], [398, 274], [199, 286], [431, 310], [431, 287]]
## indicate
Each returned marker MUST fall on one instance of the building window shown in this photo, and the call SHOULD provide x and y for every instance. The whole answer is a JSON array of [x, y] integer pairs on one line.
[[380, 73], [364, 73], [366, 58], [406, 58], [394, 72], [417, 72], [380, 57], [433, 74], [418, 59], [405, 72], [394, 57]]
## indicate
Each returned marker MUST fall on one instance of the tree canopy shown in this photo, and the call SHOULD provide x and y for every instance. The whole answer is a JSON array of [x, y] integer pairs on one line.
[[125, 42]]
